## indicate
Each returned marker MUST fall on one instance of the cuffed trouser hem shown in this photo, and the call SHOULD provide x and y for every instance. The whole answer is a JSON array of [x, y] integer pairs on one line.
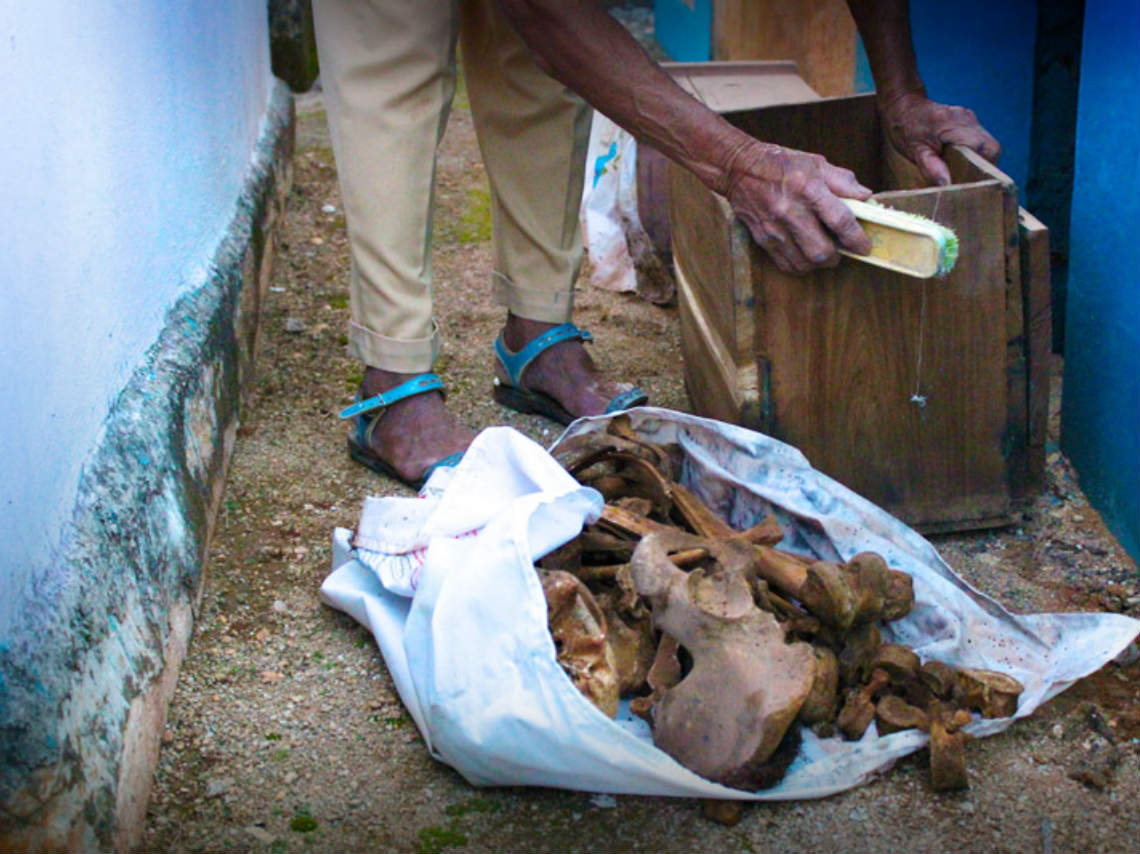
[[530, 303], [404, 356]]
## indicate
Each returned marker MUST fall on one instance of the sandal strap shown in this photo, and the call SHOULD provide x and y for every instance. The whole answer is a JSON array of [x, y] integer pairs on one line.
[[449, 461], [627, 400], [515, 364], [416, 385]]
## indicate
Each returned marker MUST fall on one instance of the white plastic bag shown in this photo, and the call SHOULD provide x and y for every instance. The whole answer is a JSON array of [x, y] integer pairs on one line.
[[609, 205], [473, 661]]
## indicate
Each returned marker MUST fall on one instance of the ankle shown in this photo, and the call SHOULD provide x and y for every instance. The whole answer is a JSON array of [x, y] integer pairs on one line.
[[377, 380], [520, 331]]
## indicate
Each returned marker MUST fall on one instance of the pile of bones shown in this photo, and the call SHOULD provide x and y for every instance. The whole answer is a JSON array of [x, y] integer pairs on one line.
[[727, 645]]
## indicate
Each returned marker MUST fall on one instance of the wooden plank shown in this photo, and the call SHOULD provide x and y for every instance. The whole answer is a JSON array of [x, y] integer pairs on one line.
[[1039, 335], [718, 386], [818, 35], [701, 229], [848, 344], [963, 162]]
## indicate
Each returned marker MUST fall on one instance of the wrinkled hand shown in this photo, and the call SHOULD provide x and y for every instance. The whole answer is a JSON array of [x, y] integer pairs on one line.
[[789, 201], [919, 129]]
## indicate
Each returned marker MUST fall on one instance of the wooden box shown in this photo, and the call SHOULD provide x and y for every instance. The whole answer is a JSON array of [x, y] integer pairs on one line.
[[927, 397]]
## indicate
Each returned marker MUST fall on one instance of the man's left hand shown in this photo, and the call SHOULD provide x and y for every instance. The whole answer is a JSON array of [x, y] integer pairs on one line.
[[919, 129]]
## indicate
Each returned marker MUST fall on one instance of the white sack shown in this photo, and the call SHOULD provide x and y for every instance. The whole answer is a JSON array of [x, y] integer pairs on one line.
[[473, 661]]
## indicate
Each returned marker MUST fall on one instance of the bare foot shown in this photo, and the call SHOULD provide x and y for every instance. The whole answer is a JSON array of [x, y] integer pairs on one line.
[[415, 432], [565, 371]]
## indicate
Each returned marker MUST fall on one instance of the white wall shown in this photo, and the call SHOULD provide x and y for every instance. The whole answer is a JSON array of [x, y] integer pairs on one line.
[[127, 129]]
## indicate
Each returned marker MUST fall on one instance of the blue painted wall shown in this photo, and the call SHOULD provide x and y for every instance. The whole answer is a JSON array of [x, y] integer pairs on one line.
[[979, 54], [1100, 417], [129, 127], [684, 29]]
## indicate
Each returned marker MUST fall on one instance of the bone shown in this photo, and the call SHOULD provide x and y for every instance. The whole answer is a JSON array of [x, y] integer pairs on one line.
[[948, 748], [635, 504], [659, 456], [821, 702], [632, 642], [699, 517], [900, 595], [858, 652], [767, 533], [894, 714], [989, 692], [664, 673], [899, 662], [867, 576], [841, 596], [579, 631], [629, 524], [939, 677], [859, 708], [728, 715]]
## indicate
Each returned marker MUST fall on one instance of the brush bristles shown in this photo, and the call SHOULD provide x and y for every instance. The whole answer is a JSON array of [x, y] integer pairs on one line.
[[949, 255]]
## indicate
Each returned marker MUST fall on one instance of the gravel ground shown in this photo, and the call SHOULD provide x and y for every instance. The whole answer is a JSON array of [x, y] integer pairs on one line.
[[286, 734]]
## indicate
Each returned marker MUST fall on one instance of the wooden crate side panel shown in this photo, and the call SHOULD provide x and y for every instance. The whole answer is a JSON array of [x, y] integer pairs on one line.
[[962, 162], [844, 130], [700, 224], [1039, 334], [718, 386], [845, 352], [819, 35]]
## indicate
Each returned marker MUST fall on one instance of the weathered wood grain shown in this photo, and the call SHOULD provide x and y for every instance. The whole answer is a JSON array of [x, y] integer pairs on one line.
[[1034, 238], [819, 35], [845, 357]]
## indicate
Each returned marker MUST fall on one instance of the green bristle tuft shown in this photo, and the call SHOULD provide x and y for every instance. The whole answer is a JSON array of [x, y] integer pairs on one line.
[[949, 255]]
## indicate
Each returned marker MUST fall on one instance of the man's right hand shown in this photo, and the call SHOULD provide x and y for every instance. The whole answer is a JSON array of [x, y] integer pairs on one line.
[[790, 202]]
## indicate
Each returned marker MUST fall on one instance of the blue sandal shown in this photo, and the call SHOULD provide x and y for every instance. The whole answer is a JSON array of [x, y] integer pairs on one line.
[[360, 439], [514, 396]]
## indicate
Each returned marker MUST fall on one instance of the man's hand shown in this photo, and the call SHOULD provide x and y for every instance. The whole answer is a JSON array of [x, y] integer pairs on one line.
[[789, 201], [919, 129]]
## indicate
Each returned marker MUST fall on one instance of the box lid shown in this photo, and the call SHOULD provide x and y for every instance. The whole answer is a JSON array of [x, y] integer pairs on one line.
[[743, 85]]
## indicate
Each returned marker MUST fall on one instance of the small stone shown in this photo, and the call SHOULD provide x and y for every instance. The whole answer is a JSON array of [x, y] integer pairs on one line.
[[317, 241], [260, 834], [216, 788], [727, 813], [328, 208], [295, 325]]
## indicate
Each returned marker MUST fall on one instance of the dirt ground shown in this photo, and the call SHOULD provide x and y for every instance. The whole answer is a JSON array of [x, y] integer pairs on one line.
[[286, 734]]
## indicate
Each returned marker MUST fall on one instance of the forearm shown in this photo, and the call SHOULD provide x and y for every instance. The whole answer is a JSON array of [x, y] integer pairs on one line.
[[885, 28], [590, 52]]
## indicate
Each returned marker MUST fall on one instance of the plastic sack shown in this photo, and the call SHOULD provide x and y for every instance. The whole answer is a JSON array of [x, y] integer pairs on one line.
[[609, 205], [446, 584]]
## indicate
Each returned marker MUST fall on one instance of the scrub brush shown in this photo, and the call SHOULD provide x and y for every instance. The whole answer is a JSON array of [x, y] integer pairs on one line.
[[904, 242]]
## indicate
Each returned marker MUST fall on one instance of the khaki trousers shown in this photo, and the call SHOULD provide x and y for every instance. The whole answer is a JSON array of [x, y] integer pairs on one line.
[[388, 70]]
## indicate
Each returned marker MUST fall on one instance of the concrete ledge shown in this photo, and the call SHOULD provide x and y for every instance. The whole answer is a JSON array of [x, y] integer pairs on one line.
[[84, 691]]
